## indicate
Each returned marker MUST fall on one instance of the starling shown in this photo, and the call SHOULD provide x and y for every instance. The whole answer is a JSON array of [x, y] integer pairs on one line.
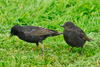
[[32, 34], [74, 36]]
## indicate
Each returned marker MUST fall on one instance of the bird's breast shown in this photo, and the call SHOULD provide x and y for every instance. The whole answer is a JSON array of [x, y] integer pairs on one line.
[[73, 39]]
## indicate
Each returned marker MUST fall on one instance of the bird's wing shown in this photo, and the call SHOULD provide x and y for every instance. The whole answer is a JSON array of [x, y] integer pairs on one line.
[[29, 28], [40, 32], [83, 35]]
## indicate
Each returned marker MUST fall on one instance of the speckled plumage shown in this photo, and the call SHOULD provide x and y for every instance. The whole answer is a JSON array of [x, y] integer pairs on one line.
[[74, 36], [32, 34]]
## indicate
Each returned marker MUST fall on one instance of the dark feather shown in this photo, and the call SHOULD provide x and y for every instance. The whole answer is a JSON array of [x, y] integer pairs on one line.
[[32, 34], [74, 36]]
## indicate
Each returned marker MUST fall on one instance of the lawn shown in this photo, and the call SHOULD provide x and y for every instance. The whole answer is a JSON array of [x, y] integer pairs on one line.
[[49, 14]]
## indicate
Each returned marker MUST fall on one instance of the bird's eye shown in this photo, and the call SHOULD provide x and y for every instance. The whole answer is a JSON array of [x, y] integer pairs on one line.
[[68, 25]]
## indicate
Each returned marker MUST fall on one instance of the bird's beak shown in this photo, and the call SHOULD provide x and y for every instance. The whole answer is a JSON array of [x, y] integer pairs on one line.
[[62, 26], [10, 36]]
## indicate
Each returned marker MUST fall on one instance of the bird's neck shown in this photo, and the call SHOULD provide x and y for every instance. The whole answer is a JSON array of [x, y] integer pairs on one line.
[[68, 29], [21, 35]]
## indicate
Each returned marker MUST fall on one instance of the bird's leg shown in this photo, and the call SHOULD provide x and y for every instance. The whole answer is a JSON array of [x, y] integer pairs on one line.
[[36, 46], [42, 48], [71, 49], [81, 50]]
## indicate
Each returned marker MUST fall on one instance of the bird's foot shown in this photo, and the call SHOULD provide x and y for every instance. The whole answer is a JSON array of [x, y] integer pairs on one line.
[[81, 54], [42, 53], [69, 50], [46, 50]]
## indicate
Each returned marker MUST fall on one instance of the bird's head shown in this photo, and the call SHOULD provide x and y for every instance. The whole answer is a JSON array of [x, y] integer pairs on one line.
[[68, 25], [15, 30]]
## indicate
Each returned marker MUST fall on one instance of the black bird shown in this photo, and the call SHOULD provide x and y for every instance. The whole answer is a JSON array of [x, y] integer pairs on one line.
[[32, 34], [74, 36]]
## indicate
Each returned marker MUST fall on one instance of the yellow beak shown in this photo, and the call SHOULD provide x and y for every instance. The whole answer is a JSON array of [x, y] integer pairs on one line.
[[10, 36]]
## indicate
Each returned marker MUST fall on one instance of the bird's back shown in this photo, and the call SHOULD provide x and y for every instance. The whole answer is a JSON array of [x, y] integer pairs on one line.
[[36, 34], [29, 28]]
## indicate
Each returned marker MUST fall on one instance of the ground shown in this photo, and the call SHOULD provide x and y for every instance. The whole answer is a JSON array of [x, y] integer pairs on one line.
[[49, 14]]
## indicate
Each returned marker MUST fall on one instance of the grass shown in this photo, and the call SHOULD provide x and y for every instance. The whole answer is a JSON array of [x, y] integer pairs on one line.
[[49, 14]]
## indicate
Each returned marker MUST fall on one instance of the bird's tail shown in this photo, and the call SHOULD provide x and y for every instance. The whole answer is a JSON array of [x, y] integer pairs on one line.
[[59, 33], [56, 33]]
